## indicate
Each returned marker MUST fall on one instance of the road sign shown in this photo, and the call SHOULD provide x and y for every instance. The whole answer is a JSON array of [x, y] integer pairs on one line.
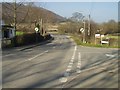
[[97, 35], [36, 29], [106, 42], [82, 30], [102, 35]]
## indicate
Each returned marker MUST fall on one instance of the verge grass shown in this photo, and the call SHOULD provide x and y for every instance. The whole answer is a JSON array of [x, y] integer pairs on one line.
[[78, 42]]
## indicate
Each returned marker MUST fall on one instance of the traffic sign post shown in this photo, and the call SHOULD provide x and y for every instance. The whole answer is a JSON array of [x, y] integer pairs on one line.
[[37, 30]]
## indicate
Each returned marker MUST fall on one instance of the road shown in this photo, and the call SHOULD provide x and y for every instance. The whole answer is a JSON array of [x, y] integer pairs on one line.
[[60, 64]]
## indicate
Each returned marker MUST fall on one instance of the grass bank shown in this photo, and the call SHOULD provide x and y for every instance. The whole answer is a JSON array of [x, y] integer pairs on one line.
[[79, 42]]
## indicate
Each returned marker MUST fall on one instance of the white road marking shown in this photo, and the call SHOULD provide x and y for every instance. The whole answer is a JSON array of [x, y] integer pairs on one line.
[[63, 80], [70, 66], [79, 63], [78, 66], [109, 55], [78, 71], [46, 51], [72, 59], [49, 43], [100, 67], [70, 63], [67, 73], [8, 55], [54, 47], [68, 70], [37, 56]]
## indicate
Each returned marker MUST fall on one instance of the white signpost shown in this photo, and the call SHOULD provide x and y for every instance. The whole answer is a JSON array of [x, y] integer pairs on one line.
[[97, 35]]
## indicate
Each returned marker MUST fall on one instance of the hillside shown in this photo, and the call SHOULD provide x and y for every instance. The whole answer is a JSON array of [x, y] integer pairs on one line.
[[28, 14]]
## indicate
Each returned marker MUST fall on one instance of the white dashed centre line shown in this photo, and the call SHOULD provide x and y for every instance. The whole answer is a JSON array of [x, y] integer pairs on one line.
[[79, 63], [69, 68], [37, 56]]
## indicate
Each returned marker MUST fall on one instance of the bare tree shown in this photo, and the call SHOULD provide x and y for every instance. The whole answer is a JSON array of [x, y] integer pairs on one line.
[[77, 17]]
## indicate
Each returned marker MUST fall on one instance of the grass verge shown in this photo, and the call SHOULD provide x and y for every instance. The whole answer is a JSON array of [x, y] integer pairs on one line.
[[78, 42]]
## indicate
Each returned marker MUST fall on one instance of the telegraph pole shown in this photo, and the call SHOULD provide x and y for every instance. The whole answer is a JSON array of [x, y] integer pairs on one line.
[[88, 36], [84, 32], [15, 16], [14, 39], [89, 25]]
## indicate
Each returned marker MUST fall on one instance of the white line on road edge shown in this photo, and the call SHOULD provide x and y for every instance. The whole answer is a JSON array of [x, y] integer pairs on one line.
[[37, 56]]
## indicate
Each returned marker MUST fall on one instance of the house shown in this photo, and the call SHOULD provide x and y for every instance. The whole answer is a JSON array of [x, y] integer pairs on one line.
[[7, 32]]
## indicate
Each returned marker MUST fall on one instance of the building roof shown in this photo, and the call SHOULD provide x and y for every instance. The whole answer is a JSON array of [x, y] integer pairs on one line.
[[7, 26]]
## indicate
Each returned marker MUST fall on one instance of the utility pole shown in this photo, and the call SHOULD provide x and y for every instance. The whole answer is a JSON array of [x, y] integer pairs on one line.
[[41, 24], [89, 24], [84, 32], [15, 16], [88, 28], [14, 39]]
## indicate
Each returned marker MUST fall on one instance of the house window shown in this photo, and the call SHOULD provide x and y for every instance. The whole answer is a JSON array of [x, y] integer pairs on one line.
[[11, 31], [6, 34]]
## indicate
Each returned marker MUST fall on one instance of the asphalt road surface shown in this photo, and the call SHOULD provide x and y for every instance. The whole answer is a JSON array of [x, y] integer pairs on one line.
[[60, 64]]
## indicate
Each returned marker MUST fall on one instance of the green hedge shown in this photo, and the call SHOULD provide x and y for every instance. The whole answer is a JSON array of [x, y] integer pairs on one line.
[[27, 39]]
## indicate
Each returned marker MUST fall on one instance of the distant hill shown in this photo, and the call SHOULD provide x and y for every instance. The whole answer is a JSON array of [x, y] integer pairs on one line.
[[28, 14]]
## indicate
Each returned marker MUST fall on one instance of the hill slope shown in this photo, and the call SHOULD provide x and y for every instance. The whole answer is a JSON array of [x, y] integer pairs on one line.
[[28, 14]]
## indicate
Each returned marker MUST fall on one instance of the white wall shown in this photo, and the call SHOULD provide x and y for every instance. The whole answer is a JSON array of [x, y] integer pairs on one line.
[[11, 33]]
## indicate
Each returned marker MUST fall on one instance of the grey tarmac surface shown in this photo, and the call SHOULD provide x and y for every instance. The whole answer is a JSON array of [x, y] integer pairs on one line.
[[60, 64]]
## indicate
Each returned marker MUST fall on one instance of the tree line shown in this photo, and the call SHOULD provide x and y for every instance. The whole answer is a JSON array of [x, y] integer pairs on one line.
[[75, 23]]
